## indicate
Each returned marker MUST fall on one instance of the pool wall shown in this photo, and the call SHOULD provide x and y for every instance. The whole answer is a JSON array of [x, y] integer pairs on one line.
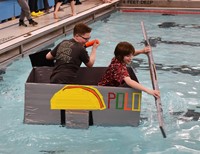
[[161, 3]]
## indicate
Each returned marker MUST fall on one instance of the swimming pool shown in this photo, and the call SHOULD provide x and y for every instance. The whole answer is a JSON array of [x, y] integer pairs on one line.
[[178, 70]]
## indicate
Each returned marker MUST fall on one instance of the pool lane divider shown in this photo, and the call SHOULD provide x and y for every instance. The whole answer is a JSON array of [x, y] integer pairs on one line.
[[154, 82]]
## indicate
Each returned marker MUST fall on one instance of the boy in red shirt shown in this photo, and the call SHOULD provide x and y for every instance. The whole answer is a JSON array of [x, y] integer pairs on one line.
[[117, 73]]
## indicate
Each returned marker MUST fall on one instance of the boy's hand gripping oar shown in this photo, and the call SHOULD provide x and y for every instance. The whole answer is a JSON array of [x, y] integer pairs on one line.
[[154, 81]]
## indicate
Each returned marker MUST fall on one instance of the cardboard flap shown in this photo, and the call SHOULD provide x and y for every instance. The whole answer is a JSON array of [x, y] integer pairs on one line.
[[39, 59]]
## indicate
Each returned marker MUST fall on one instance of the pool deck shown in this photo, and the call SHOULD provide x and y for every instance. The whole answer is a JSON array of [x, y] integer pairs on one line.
[[17, 41]]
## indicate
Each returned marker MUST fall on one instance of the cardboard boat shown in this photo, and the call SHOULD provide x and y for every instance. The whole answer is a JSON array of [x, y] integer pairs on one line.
[[81, 104]]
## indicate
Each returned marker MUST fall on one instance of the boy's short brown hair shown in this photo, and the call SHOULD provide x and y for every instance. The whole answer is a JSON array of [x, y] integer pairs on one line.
[[123, 49], [81, 29]]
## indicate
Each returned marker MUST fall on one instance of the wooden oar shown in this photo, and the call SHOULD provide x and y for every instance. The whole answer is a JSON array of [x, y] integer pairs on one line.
[[154, 82]]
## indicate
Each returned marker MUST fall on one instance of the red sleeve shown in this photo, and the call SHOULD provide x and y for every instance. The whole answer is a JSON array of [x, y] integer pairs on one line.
[[120, 72]]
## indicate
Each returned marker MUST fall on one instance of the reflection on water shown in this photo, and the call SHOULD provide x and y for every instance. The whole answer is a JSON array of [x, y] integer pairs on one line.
[[156, 40], [185, 69], [184, 114], [174, 24], [2, 71]]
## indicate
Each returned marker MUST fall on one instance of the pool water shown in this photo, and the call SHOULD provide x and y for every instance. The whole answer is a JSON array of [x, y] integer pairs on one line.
[[178, 71]]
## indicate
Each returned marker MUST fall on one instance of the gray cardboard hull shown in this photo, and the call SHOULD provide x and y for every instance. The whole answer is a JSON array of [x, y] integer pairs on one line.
[[37, 104], [38, 93], [116, 115]]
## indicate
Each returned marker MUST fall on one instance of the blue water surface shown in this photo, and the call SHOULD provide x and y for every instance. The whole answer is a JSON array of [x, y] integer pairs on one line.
[[178, 72]]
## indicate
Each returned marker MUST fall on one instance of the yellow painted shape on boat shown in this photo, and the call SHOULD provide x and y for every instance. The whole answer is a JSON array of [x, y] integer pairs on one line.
[[78, 97]]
